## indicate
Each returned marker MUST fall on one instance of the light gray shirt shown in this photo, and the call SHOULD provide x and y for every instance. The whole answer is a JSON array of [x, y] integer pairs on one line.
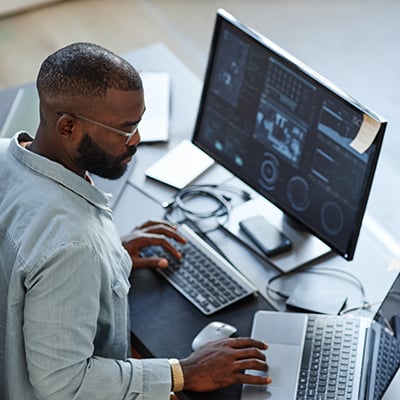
[[63, 290]]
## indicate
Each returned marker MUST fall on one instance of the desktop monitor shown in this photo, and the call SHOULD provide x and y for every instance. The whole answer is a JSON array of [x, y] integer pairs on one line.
[[290, 134]]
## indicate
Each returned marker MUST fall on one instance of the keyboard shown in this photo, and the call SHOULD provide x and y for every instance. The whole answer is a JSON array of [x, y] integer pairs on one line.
[[202, 275], [387, 363], [328, 363]]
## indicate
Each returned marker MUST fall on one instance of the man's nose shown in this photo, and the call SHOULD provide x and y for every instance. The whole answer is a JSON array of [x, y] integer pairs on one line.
[[134, 140]]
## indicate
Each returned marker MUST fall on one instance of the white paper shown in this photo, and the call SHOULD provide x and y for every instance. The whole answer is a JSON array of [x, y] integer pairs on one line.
[[154, 125], [180, 166]]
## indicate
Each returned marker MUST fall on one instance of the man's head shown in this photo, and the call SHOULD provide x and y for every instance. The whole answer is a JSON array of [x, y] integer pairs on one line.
[[91, 101]]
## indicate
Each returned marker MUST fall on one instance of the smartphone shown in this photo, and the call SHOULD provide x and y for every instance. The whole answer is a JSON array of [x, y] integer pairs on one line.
[[269, 239]]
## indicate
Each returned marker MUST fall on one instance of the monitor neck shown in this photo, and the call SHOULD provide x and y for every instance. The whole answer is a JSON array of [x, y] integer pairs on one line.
[[294, 223]]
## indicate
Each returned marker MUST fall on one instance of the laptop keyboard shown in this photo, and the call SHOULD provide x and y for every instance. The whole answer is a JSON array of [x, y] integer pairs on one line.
[[387, 364], [328, 363], [204, 277]]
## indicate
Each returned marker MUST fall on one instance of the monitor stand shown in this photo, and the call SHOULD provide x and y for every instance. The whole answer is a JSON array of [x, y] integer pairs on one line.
[[306, 247]]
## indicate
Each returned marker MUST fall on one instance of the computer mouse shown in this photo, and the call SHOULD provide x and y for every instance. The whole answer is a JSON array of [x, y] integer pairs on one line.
[[213, 331]]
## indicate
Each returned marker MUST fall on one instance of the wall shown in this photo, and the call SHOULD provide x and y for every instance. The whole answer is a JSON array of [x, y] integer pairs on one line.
[[8, 7]]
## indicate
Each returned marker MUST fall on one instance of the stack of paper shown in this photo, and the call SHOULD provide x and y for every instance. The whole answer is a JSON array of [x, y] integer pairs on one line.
[[155, 122]]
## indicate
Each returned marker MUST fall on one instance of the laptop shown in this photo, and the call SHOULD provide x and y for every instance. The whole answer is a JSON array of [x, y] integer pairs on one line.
[[314, 356]]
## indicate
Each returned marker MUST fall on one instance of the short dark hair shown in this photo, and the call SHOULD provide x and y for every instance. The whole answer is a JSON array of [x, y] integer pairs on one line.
[[87, 70]]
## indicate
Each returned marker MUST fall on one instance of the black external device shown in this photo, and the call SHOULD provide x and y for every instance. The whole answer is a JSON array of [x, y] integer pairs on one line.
[[266, 236]]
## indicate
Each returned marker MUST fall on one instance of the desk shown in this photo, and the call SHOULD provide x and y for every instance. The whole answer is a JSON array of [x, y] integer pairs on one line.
[[163, 322], [155, 306]]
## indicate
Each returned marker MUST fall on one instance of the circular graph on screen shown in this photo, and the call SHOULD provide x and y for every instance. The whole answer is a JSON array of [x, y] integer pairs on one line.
[[269, 170], [297, 192], [332, 218]]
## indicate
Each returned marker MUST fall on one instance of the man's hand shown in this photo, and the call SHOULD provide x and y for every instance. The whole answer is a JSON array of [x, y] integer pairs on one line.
[[152, 233], [222, 363]]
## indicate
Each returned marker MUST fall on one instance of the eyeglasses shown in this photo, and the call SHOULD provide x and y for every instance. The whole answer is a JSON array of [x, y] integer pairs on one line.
[[128, 135]]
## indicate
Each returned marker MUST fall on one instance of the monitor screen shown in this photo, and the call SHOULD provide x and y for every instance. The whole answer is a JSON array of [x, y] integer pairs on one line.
[[288, 133]]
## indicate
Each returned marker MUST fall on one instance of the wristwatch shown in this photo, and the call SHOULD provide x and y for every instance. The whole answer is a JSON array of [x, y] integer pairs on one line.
[[177, 375]]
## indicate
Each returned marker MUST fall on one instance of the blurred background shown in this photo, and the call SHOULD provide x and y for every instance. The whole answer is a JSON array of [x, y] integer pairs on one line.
[[353, 43]]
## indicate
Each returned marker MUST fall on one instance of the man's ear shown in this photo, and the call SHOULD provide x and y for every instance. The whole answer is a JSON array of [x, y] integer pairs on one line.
[[68, 128]]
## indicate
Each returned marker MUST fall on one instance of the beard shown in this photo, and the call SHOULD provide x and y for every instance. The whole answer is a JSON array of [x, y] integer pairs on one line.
[[97, 161]]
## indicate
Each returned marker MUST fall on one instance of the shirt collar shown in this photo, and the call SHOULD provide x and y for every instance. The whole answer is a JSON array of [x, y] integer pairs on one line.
[[58, 173]]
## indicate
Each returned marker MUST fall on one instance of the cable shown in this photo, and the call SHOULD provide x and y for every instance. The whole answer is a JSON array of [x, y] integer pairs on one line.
[[245, 195], [323, 271], [365, 305], [192, 217], [217, 193], [185, 195]]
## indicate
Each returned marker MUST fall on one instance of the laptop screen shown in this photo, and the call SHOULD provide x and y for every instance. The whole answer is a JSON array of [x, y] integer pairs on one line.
[[389, 312]]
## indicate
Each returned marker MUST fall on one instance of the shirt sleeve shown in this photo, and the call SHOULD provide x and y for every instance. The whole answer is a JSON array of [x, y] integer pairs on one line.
[[61, 313]]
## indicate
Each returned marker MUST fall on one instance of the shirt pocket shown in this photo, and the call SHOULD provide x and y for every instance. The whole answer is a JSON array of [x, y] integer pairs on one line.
[[120, 289]]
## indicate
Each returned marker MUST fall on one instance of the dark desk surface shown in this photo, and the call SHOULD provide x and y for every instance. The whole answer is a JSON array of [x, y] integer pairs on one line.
[[163, 322]]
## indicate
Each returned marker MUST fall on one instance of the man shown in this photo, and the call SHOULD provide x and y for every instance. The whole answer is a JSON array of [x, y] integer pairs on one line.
[[63, 269]]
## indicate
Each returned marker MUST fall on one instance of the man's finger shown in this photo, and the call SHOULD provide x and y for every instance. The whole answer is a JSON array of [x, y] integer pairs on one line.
[[149, 262]]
